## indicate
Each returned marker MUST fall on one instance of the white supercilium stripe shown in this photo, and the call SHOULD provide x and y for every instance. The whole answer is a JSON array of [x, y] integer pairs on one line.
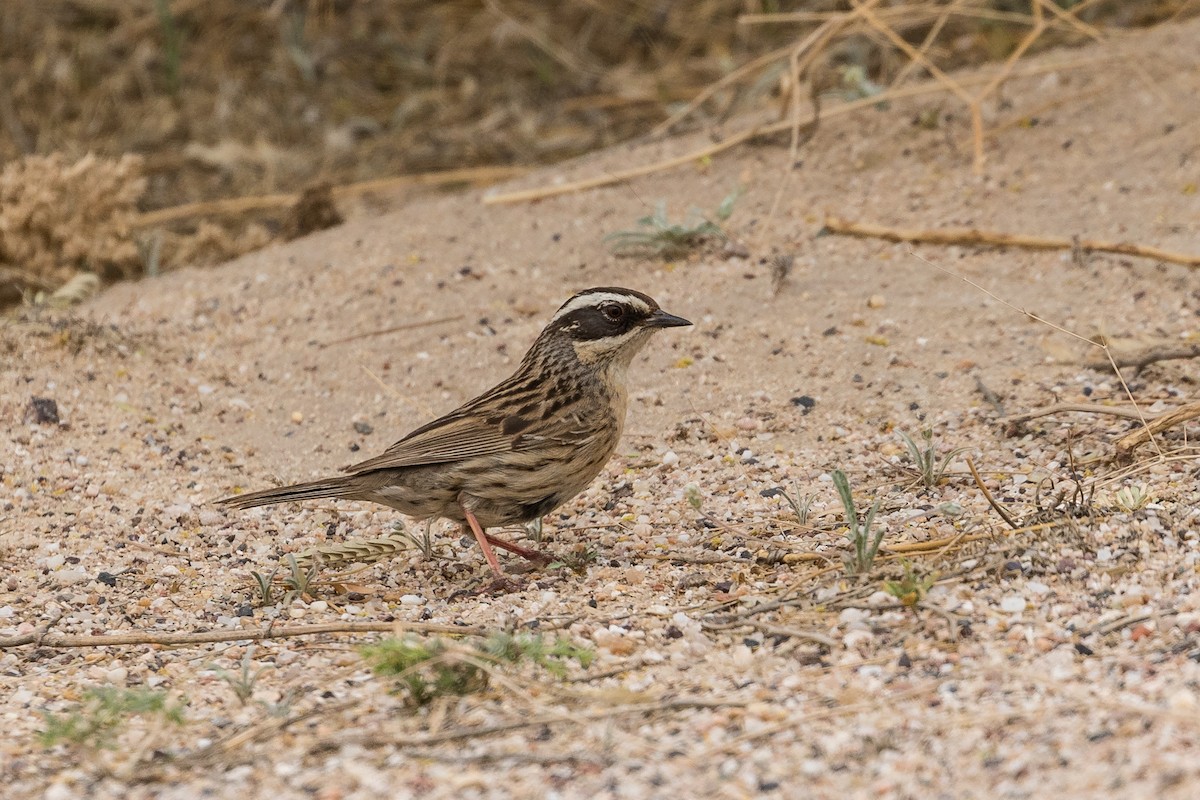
[[596, 298]]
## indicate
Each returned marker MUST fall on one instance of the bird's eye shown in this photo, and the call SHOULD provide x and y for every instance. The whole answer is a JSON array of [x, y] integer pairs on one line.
[[612, 311]]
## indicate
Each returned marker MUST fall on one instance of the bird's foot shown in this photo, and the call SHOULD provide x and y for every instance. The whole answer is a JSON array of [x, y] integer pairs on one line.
[[534, 556]]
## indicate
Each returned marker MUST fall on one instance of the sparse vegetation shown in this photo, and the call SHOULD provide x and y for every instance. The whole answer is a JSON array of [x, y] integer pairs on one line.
[[296, 583], [801, 504], [576, 561], [658, 237], [424, 544], [265, 586], [865, 543], [534, 530], [930, 468], [243, 681], [1133, 497], [912, 586], [430, 668], [96, 722]]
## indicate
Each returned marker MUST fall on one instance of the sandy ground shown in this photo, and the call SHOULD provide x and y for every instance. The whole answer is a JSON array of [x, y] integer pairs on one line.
[[734, 656]]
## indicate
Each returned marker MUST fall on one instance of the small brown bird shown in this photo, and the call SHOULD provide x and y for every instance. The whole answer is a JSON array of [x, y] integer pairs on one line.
[[522, 448]]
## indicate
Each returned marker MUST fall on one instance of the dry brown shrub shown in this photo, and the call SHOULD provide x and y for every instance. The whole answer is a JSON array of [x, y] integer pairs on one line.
[[212, 243], [59, 217]]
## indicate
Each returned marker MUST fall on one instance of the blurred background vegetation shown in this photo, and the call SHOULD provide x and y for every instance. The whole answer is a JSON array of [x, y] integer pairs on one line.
[[235, 98]]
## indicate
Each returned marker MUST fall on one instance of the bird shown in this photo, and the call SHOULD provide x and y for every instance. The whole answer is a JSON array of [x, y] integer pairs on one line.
[[520, 449]]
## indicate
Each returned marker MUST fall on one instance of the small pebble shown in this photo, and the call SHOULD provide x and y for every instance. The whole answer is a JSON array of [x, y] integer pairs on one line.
[[1013, 604], [69, 577], [412, 600], [297, 417]]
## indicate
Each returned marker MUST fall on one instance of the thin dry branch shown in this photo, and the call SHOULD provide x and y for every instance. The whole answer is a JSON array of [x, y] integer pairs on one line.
[[575, 62], [1130, 442], [376, 740], [263, 729], [1082, 408], [1012, 523], [951, 85], [799, 720], [43, 638], [241, 205], [1144, 356], [664, 127], [937, 545], [974, 236], [394, 329], [767, 129]]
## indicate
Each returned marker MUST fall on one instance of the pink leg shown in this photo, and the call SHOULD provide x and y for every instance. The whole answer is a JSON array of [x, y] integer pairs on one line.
[[482, 538], [523, 552]]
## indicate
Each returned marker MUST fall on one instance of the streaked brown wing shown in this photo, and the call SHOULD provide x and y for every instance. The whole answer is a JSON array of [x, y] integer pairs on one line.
[[565, 429], [451, 438]]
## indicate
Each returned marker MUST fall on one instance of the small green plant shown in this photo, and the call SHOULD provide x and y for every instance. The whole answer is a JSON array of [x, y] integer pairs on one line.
[[694, 497], [97, 720], [855, 84], [171, 43], [1133, 498], [866, 544], [929, 468], [550, 656], [576, 561], [265, 586], [434, 668], [297, 582], [801, 505], [658, 237], [426, 669], [912, 587], [533, 530], [242, 682], [423, 544]]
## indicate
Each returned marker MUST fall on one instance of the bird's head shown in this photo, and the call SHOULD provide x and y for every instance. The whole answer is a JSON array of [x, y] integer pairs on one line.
[[608, 325]]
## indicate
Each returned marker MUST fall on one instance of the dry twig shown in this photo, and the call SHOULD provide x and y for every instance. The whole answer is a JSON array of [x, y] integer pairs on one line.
[[242, 205], [1082, 408], [394, 329], [974, 236], [1131, 441], [376, 740], [1144, 356], [43, 638]]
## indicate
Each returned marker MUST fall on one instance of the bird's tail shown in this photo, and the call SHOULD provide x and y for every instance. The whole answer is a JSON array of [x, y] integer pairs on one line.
[[341, 486]]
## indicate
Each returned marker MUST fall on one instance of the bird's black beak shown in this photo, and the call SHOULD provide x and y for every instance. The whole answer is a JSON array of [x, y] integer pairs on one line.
[[661, 319]]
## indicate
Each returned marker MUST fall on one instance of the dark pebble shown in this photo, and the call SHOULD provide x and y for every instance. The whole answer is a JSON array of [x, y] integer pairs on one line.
[[42, 410]]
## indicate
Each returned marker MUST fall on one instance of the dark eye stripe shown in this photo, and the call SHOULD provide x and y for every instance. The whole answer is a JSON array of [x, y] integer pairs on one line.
[[589, 324]]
